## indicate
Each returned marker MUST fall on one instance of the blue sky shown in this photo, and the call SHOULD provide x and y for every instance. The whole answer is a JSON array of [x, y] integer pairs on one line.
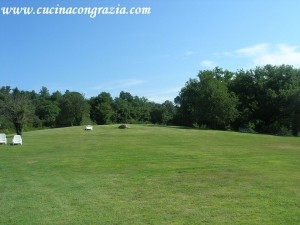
[[147, 55]]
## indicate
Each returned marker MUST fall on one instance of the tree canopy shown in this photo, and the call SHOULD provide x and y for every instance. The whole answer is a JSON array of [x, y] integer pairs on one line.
[[265, 100]]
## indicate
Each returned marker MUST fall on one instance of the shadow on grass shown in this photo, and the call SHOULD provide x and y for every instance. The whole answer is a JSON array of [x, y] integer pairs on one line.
[[177, 127]]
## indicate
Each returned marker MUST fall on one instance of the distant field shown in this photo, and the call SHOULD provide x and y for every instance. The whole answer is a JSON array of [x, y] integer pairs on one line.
[[149, 175]]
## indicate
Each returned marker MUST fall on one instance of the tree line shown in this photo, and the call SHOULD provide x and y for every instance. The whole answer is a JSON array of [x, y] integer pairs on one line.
[[28, 110], [265, 100]]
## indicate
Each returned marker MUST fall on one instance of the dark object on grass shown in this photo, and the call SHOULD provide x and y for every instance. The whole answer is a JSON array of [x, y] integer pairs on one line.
[[247, 130], [123, 126]]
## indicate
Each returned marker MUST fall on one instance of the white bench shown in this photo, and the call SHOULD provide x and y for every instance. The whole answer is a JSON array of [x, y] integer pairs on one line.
[[17, 140], [3, 139], [89, 127]]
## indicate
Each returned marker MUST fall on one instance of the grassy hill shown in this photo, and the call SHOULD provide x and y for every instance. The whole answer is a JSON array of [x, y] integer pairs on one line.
[[149, 175]]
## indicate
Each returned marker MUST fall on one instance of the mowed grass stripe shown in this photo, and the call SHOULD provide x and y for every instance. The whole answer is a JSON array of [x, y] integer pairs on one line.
[[149, 175]]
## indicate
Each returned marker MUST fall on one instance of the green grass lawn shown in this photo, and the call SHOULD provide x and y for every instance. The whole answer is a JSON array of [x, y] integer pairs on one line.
[[149, 175]]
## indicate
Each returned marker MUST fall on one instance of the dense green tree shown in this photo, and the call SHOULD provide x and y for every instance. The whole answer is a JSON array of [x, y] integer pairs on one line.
[[186, 103], [163, 113], [18, 109], [126, 96], [295, 113], [73, 108], [122, 110], [274, 88], [169, 112], [56, 97], [140, 109], [44, 93], [267, 98], [131, 109], [156, 114], [4, 90], [5, 123], [46, 109], [217, 106], [102, 108], [244, 87], [207, 101], [104, 113]]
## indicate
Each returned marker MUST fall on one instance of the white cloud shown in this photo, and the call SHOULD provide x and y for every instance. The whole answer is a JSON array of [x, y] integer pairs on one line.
[[227, 53], [283, 54], [189, 53], [130, 82], [263, 54], [255, 50], [162, 96], [118, 84], [208, 64]]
